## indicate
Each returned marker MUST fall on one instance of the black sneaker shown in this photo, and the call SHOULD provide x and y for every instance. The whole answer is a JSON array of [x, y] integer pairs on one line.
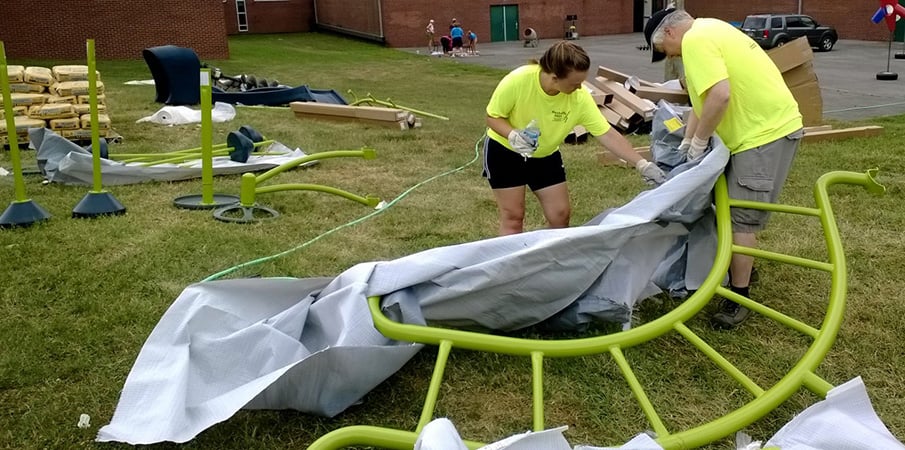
[[730, 315]]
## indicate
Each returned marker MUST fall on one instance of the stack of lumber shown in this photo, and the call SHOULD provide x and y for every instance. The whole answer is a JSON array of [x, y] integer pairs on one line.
[[389, 117], [55, 98], [628, 102]]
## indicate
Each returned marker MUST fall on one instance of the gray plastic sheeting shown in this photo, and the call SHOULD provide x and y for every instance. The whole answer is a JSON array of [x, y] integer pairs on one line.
[[63, 161], [310, 344]]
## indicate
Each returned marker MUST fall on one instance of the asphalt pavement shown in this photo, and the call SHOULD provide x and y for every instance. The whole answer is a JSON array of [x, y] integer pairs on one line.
[[847, 74]]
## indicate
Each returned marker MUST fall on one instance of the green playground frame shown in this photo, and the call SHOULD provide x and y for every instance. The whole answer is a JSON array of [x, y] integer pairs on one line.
[[765, 400]]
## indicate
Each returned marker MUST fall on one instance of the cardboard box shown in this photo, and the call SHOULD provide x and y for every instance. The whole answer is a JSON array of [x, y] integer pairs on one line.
[[800, 75], [810, 102], [791, 55]]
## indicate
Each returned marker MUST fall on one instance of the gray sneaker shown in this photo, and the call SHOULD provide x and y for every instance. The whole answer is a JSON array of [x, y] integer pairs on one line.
[[729, 316]]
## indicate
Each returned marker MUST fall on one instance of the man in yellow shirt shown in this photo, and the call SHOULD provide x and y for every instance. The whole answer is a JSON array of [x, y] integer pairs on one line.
[[738, 93]]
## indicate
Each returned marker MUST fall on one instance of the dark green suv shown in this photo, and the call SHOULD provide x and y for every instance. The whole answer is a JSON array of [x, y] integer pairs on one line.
[[773, 30]]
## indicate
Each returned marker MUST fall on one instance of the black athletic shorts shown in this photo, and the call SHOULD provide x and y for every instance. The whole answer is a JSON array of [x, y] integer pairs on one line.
[[505, 168]]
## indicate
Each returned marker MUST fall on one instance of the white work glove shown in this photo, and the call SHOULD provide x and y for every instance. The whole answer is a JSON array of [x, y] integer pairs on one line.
[[650, 172], [683, 147], [696, 147], [522, 143]]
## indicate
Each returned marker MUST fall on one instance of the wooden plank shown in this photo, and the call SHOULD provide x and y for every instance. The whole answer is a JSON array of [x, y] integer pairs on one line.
[[843, 133], [614, 75], [625, 96], [817, 128], [656, 94], [600, 97], [402, 124], [361, 112]]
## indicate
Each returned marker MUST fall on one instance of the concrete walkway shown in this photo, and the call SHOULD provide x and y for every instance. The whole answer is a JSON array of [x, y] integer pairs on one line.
[[847, 75]]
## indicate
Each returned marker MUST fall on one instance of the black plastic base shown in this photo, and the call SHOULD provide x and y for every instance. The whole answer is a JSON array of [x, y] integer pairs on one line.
[[96, 204], [197, 201], [22, 214], [245, 214], [887, 76]]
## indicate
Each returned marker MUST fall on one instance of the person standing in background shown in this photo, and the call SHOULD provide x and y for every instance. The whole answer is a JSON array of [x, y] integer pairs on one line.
[[431, 39], [456, 34]]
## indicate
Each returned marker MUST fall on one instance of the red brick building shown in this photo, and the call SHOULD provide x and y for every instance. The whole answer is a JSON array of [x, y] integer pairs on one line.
[[50, 29]]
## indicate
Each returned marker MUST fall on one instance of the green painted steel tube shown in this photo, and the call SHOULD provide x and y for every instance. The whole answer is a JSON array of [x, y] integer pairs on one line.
[[369, 200], [394, 105], [537, 390], [430, 402], [801, 375], [766, 311], [157, 158], [372, 436], [97, 176], [18, 181], [638, 392], [247, 190], [719, 360], [366, 153], [207, 139]]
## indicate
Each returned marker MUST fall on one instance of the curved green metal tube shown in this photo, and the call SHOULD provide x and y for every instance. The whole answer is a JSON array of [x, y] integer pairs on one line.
[[389, 103], [372, 436], [367, 200], [801, 375]]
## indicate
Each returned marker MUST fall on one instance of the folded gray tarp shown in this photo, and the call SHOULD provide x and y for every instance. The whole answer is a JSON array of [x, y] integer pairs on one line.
[[65, 162], [310, 344]]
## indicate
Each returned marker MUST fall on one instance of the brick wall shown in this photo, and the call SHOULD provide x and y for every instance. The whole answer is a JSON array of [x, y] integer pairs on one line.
[[851, 19], [404, 20], [53, 29], [273, 16]]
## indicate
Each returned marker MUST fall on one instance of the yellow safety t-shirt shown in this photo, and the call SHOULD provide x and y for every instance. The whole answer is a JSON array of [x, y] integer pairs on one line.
[[761, 107], [519, 99]]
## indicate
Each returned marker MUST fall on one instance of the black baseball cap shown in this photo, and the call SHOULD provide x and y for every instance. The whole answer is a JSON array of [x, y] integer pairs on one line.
[[649, 29]]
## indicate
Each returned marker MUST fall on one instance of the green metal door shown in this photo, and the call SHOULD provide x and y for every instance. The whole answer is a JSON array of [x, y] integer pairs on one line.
[[504, 23]]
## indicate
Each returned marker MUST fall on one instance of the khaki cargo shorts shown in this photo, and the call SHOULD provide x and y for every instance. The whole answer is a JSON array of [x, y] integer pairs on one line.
[[758, 174]]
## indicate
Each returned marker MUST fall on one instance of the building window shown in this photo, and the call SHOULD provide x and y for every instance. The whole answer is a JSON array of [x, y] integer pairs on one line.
[[241, 15]]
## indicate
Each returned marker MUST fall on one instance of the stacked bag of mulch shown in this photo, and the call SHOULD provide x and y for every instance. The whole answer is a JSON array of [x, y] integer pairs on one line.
[[55, 98]]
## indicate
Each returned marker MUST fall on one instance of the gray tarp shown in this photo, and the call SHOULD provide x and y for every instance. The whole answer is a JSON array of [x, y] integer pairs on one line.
[[63, 161], [310, 344]]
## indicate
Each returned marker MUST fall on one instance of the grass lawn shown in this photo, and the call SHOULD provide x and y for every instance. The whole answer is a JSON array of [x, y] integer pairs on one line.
[[79, 297]]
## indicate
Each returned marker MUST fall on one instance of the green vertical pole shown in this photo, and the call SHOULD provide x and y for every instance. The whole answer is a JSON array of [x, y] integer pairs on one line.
[[95, 128], [207, 164], [11, 128]]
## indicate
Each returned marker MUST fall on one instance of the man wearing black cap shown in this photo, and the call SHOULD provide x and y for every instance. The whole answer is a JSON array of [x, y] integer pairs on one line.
[[737, 92]]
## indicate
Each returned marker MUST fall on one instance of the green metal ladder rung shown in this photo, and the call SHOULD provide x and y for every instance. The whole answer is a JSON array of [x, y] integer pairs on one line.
[[771, 313], [788, 259], [719, 360], [638, 391], [801, 375]]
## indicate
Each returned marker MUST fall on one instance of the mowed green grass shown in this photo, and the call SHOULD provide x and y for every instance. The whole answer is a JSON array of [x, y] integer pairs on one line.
[[79, 297]]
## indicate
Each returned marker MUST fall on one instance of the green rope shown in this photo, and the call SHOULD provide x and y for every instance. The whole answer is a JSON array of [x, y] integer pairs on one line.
[[349, 224]]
